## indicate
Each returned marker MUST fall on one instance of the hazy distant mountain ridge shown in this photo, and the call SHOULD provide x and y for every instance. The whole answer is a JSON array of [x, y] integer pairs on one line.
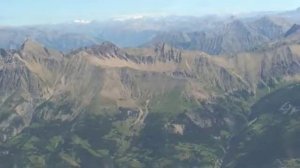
[[212, 34], [234, 37]]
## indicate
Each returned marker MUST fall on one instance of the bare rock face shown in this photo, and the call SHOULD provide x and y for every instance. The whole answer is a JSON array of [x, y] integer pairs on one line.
[[293, 30], [176, 128], [166, 53], [106, 50]]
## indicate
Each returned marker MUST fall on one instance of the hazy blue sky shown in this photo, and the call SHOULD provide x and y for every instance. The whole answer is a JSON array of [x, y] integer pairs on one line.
[[20, 12]]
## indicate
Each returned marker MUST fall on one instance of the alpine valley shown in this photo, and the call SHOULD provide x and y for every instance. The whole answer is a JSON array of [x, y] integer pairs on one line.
[[208, 92]]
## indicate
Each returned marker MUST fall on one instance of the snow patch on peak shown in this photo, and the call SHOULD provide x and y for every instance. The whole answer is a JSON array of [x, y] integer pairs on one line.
[[82, 21]]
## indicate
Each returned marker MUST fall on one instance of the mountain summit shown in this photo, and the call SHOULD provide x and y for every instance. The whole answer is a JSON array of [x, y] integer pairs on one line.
[[31, 45], [295, 29]]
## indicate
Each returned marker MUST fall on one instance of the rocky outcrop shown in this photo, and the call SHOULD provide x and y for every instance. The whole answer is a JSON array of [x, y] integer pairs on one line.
[[293, 30]]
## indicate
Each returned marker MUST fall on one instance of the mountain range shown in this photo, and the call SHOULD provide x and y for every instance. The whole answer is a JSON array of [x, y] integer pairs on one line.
[[223, 95], [212, 34]]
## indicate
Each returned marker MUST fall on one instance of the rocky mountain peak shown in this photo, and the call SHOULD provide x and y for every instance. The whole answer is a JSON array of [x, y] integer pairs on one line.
[[3, 53], [30, 45], [237, 25], [31, 48], [106, 49], [293, 30], [166, 53]]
